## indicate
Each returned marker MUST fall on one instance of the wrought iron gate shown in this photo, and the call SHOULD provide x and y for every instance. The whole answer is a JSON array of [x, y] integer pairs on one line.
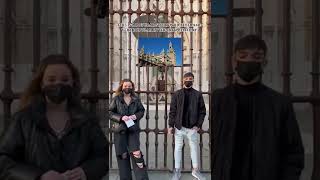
[[155, 84]]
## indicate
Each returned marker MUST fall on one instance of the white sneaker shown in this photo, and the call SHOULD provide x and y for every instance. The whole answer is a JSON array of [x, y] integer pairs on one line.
[[176, 174], [198, 175]]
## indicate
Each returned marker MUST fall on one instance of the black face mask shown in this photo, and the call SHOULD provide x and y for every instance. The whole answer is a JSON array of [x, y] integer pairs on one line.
[[188, 84], [247, 71], [58, 93], [127, 90]]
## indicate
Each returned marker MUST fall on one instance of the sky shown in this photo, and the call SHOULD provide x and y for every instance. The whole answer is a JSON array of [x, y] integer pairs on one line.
[[155, 45]]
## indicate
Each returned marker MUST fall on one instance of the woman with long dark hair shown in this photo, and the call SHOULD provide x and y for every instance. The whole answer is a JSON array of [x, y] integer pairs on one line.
[[126, 110], [52, 137]]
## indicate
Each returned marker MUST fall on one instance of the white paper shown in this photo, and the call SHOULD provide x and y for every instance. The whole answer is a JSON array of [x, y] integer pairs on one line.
[[129, 123]]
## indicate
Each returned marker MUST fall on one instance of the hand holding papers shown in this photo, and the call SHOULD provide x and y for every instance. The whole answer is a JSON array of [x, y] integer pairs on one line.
[[129, 123], [129, 120]]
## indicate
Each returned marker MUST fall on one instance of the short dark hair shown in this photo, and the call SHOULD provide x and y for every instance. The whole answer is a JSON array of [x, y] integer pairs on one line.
[[188, 74], [251, 41]]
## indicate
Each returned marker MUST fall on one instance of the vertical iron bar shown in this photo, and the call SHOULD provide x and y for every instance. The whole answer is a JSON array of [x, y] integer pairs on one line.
[[111, 69], [147, 118], [200, 44], [286, 47], [229, 44], [129, 40], [120, 40], [172, 89], [172, 79], [156, 119], [139, 68], [172, 15], [211, 84], [148, 12], [82, 39], [172, 21], [94, 56], [200, 75], [156, 130], [65, 27], [191, 43], [7, 69], [111, 73], [107, 84], [183, 54], [191, 35], [315, 89], [36, 34], [201, 150], [157, 14], [170, 93], [315, 48], [120, 49], [172, 35], [258, 17], [165, 144]]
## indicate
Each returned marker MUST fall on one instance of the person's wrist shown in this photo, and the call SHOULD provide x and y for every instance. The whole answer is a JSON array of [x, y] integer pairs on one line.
[[124, 118], [133, 117]]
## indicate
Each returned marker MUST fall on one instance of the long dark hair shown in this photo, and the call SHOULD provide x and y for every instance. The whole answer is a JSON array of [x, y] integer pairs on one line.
[[34, 88], [119, 89]]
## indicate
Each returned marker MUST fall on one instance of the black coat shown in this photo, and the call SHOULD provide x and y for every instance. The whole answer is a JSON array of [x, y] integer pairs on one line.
[[29, 148], [118, 108], [278, 153], [197, 110]]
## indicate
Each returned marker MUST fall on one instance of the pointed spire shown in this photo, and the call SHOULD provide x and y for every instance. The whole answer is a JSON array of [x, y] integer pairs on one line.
[[170, 45], [142, 50], [170, 50], [162, 52]]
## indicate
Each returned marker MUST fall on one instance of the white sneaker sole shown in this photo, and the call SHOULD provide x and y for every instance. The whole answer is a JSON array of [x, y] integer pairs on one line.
[[195, 176]]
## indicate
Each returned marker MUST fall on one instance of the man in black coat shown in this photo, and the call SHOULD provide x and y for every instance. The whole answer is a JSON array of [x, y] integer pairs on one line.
[[255, 132], [187, 112]]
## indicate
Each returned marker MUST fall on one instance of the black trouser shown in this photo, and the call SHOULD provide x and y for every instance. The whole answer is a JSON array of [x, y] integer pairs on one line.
[[126, 142]]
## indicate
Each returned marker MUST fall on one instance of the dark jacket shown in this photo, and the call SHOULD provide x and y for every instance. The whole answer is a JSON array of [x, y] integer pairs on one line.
[[28, 149], [118, 108], [278, 153], [197, 109]]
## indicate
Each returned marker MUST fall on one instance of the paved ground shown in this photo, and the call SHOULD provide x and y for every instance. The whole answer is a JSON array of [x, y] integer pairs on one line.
[[155, 175]]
